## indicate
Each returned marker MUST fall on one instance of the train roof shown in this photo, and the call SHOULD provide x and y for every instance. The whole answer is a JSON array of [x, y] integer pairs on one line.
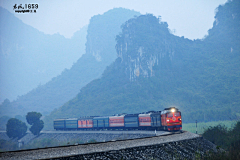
[[87, 117], [149, 113], [144, 114], [116, 116], [60, 119], [131, 115], [168, 110], [71, 119], [100, 117]]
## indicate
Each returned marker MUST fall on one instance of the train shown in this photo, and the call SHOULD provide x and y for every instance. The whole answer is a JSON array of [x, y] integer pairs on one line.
[[169, 120]]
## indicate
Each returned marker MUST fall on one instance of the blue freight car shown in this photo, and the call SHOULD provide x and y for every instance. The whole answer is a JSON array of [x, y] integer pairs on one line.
[[131, 121], [100, 122], [59, 124], [71, 123]]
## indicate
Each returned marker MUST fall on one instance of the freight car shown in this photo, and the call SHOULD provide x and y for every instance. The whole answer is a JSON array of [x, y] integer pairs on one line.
[[169, 119]]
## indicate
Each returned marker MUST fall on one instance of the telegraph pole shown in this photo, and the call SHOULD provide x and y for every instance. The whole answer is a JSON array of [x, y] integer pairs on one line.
[[196, 126]]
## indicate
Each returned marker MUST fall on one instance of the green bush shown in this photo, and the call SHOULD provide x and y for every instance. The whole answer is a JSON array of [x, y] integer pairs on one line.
[[227, 139]]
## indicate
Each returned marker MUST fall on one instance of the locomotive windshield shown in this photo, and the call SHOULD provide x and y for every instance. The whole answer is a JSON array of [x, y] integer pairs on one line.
[[176, 114]]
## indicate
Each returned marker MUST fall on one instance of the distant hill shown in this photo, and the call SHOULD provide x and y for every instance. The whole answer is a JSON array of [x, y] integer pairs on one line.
[[29, 58], [156, 69], [100, 52]]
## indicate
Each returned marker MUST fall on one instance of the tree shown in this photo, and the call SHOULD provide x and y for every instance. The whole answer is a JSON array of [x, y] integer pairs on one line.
[[16, 128], [37, 127], [33, 118]]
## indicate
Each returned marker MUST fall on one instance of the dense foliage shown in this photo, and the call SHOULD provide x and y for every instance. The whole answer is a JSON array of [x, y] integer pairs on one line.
[[33, 118], [37, 127], [226, 139], [16, 128], [156, 69], [8, 145]]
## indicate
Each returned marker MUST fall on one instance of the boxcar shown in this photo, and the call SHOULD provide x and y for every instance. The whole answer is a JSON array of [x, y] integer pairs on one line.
[[144, 120], [71, 123], [85, 122], [59, 124], [116, 121], [150, 120], [156, 119], [101, 122], [131, 121]]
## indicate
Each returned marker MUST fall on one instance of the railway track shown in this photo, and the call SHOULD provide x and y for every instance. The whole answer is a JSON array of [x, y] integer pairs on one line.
[[73, 150], [114, 132]]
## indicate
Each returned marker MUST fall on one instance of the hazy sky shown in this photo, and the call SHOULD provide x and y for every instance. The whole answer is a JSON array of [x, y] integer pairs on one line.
[[189, 18]]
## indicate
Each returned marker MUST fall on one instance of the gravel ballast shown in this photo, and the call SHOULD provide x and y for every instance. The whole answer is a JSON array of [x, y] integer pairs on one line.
[[106, 147]]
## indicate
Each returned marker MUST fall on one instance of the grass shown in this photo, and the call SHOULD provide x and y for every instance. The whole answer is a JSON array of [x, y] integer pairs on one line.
[[191, 127]]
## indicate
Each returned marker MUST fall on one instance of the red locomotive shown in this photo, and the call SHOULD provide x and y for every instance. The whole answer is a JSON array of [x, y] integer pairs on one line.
[[171, 119]]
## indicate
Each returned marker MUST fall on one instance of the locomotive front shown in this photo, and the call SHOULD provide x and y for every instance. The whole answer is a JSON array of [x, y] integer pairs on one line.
[[171, 119]]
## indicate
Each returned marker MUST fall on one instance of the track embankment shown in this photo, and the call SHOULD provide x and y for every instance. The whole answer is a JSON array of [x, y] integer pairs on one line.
[[184, 145]]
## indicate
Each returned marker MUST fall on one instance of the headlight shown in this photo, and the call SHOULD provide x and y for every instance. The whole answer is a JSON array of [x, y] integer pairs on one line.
[[173, 110]]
